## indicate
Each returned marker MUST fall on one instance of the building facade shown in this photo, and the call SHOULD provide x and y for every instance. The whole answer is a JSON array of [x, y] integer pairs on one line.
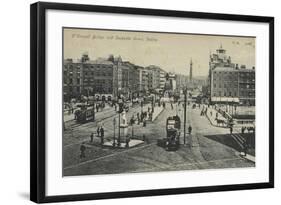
[[89, 78], [108, 78], [228, 82], [246, 86]]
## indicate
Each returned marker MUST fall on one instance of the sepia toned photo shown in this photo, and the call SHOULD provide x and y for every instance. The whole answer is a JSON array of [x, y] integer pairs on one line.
[[139, 101]]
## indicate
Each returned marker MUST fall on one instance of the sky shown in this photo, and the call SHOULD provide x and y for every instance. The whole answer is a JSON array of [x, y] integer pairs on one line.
[[172, 52]]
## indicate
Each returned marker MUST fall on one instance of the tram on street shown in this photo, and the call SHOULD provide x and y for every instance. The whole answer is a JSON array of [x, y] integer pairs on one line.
[[173, 131], [85, 114]]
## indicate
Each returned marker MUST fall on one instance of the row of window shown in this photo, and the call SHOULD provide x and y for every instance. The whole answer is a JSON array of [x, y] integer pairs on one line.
[[225, 94], [234, 94], [98, 66], [225, 85]]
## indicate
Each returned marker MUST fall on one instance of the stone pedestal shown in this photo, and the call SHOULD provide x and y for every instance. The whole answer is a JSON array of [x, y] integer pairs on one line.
[[123, 126]]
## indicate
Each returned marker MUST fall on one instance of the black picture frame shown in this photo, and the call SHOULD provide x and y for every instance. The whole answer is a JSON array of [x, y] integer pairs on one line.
[[38, 100]]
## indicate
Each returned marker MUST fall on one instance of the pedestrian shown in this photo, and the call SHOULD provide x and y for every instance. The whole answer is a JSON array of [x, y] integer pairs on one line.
[[97, 107], [172, 107], [132, 120], [92, 137], [82, 151], [98, 131], [189, 129], [230, 129], [143, 137], [242, 130], [138, 117], [150, 116], [102, 135], [127, 141], [245, 148]]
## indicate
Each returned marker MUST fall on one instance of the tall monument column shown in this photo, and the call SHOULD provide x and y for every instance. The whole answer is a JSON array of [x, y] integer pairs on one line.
[[190, 71]]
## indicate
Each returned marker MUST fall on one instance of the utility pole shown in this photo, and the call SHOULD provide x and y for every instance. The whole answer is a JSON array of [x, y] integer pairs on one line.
[[119, 116], [114, 123], [184, 117]]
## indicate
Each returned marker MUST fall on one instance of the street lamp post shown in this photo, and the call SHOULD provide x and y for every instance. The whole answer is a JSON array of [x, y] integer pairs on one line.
[[184, 117], [114, 123], [119, 118]]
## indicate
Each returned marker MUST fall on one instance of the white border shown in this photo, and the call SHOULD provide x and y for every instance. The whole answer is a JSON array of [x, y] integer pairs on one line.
[[56, 185]]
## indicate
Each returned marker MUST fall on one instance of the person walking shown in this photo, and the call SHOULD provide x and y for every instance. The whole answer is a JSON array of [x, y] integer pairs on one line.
[[98, 131], [242, 130], [82, 151], [138, 118], [132, 120], [102, 135], [189, 129], [128, 138], [92, 137], [143, 138], [245, 148], [231, 129]]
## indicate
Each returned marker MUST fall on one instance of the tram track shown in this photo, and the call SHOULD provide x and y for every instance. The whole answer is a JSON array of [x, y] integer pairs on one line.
[[104, 121]]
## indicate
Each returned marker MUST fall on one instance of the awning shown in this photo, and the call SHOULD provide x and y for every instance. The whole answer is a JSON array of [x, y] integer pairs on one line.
[[225, 99]]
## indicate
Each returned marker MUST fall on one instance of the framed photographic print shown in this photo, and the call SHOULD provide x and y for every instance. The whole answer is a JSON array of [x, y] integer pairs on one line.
[[129, 102]]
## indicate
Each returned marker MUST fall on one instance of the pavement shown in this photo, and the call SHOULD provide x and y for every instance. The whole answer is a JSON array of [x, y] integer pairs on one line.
[[211, 116], [250, 158], [204, 153], [157, 112], [131, 144], [106, 110]]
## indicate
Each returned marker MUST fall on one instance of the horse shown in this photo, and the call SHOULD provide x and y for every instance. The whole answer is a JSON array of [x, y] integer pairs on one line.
[[251, 129], [219, 121]]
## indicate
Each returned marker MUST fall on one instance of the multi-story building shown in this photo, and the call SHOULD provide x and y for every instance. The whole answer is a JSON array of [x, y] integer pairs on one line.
[[108, 78], [130, 79], [72, 75], [224, 84], [162, 79], [228, 82], [99, 78], [153, 77], [90, 78], [172, 80], [246, 85], [218, 59], [143, 79]]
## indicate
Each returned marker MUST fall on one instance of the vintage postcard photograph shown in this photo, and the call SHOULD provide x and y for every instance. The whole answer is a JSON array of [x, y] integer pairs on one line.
[[143, 101]]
